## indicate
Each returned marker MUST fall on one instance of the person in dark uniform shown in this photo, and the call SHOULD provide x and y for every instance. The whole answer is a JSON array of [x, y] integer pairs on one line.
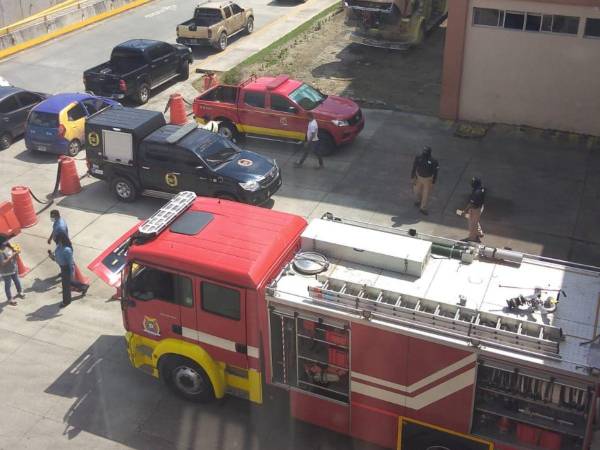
[[474, 209], [424, 175], [64, 258]]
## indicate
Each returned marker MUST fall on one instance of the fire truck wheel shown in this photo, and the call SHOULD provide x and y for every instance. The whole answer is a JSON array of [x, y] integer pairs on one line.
[[124, 189], [187, 379]]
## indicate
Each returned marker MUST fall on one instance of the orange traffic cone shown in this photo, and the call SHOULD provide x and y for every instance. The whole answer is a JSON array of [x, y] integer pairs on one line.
[[23, 269], [9, 224], [69, 180], [176, 107], [23, 206], [78, 276]]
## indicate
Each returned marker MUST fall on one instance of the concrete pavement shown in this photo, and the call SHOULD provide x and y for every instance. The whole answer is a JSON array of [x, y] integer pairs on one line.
[[66, 381]]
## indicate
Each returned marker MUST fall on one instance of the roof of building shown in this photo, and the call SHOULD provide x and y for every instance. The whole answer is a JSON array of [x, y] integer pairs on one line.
[[281, 84], [240, 246]]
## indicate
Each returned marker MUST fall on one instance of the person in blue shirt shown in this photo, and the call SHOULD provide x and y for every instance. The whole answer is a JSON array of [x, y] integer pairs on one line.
[[63, 255], [58, 225]]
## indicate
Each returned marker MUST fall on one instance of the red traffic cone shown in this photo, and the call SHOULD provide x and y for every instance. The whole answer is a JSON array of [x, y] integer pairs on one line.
[[176, 107], [23, 206], [69, 179], [78, 276], [23, 269]]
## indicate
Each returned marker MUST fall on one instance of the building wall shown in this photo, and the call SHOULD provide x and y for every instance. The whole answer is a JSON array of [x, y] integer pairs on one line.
[[545, 80], [12, 11]]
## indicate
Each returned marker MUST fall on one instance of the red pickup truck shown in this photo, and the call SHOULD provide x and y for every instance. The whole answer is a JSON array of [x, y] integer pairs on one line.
[[277, 107]]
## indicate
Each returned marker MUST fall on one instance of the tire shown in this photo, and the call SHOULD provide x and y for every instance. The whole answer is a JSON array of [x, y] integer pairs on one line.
[[124, 189], [326, 144], [143, 93], [186, 379], [250, 25], [74, 147], [228, 130], [6, 141], [184, 72], [222, 42]]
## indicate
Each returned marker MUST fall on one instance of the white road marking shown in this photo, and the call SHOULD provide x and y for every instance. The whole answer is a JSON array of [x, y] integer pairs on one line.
[[159, 11]]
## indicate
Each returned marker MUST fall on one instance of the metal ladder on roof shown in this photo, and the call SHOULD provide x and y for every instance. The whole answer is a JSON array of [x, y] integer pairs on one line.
[[162, 218], [478, 327]]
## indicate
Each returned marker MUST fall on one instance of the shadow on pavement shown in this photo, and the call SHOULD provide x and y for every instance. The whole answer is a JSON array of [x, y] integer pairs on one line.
[[112, 400]]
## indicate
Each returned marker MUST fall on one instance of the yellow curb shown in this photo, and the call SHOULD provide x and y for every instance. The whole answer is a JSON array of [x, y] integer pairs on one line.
[[69, 28], [66, 4]]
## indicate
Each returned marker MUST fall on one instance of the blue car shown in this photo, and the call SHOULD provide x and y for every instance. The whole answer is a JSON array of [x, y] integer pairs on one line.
[[57, 125]]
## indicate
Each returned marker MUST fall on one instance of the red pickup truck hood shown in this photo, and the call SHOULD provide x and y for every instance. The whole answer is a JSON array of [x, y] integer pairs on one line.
[[335, 107]]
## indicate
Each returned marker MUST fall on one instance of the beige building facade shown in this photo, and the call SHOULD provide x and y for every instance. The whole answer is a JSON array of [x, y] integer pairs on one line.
[[533, 63]]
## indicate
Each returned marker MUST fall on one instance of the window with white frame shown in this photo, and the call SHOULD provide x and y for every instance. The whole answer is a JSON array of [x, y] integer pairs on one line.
[[488, 17], [532, 21]]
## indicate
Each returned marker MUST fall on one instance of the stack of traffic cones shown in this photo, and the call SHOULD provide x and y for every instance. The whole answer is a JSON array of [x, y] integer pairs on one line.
[[23, 206], [176, 107], [69, 179]]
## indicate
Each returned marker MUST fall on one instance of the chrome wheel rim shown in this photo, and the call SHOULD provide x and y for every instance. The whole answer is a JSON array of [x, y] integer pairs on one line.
[[223, 41], [250, 26], [144, 94], [4, 141], [187, 380], [123, 189]]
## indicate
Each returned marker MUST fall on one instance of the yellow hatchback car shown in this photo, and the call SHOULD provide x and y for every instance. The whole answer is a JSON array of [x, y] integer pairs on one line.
[[57, 125]]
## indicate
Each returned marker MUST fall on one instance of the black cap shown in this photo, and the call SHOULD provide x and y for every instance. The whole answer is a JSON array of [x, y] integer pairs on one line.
[[427, 150], [475, 182]]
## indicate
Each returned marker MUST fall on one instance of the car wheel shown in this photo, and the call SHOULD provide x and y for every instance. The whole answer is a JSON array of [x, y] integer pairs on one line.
[[228, 130], [250, 25], [187, 379], [184, 73], [143, 93], [326, 144], [5, 141], [74, 147], [124, 189], [222, 43]]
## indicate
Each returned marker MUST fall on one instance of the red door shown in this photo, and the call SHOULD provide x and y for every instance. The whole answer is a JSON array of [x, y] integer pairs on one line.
[[289, 117], [254, 117], [221, 322], [158, 304]]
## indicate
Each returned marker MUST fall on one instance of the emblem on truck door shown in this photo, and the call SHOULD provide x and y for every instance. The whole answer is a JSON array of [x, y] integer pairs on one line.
[[151, 326], [171, 179], [93, 139]]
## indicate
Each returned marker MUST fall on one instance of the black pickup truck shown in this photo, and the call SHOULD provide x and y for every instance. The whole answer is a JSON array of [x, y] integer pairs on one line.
[[137, 153], [136, 67]]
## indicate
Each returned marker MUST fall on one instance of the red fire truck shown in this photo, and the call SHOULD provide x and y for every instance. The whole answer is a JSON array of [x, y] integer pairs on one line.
[[394, 337]]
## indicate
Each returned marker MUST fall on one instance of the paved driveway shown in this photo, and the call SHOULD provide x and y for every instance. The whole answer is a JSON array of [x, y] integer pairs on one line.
[[66, 381]]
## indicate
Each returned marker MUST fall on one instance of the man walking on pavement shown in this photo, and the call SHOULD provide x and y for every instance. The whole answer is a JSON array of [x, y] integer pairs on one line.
[[312, 142], [474, 209], [64, 258], [424, 175], [59, 226]]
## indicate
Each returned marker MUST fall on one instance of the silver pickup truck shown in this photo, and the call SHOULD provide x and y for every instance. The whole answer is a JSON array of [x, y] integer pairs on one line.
[[214, 23]]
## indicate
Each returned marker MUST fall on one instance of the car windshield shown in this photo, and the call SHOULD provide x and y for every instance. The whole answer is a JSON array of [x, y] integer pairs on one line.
[[307, 97], [43, 119], [219, 152]]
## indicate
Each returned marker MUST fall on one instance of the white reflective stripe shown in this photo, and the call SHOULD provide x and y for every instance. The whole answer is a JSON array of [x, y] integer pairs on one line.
[[216, 341], [422, 400], [421, 383]]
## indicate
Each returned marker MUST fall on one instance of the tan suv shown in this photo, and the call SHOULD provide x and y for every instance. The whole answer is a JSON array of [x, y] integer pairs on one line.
[[214, 23]]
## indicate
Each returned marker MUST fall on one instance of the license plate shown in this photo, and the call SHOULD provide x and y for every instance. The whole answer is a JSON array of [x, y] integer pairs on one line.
[[42, 148]]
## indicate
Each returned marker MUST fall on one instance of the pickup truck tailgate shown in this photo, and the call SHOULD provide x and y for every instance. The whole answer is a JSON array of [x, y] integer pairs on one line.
[[192, 32]]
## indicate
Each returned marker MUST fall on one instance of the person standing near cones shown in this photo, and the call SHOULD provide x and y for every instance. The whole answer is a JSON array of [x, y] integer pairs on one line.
[[424, 175], [9, 270], [474, 209], [58, 225], [312, 142], [64, 258]]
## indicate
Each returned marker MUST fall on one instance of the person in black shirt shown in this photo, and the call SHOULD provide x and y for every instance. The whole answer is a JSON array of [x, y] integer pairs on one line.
[[424, 175], [474, 209]]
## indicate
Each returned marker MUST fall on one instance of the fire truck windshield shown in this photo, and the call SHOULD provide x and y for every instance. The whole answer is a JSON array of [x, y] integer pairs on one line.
[[219, 152], [307, 97]]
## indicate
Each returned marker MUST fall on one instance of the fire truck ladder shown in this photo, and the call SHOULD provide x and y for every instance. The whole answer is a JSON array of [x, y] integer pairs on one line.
[[477, 327]]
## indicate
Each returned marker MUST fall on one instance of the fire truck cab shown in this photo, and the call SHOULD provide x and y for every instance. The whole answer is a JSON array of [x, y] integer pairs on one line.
[[402, 339]]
